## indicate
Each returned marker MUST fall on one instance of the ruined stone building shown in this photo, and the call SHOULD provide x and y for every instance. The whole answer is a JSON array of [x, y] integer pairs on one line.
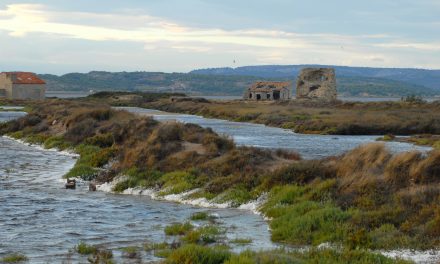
[[316, 83], [21, 85], [268, 91]]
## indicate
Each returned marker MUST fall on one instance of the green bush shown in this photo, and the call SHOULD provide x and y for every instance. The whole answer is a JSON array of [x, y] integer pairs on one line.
[[177, 182], [198, 216], [84, 172], [14, 258], [195, 254], [36, 138], [204, 235], [138, 178], [236, 196], [57, 142], [85, 249], [16, 135], [101, 140], [178, 229], [241, 241], [102, 157]]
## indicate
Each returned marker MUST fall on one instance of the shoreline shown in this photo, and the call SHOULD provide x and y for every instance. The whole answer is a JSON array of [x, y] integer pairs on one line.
[[418, 256]]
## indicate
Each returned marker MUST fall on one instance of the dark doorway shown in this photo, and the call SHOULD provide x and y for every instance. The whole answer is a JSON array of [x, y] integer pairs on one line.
[[250, 96], [258, 96], [268, 96], [315, 87], [276, 95]]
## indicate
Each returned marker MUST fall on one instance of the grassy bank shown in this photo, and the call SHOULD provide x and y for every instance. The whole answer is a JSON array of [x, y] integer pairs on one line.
[[365, 199], [205, 242], [405, 117]]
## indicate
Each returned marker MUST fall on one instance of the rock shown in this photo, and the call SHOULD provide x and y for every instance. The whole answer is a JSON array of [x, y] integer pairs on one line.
[[92, 187], [316, 83], [71, 184]]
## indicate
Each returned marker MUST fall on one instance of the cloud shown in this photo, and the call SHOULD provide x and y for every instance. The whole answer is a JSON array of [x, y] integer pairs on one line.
[[175, 46]]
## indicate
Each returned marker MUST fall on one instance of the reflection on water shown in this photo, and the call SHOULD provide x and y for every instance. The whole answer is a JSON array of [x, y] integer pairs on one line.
[[309, 146]]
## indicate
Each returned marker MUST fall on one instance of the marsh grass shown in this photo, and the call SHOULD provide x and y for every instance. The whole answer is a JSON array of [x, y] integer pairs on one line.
[[241, 241], [85, 249], [200, 216], [178, 229], [204, 235], [14, 258], [196, 254]]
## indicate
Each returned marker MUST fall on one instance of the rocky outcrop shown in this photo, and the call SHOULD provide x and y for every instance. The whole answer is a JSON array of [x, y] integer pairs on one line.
[[318, 83]]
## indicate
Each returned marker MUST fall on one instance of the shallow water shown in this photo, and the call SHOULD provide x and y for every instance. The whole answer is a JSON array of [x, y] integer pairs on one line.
[[7, 116], [43, 220], [309, 146]]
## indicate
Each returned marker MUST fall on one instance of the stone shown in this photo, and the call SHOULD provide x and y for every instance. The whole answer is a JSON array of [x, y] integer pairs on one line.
[[270, 91], [316, 83], [70, 184]]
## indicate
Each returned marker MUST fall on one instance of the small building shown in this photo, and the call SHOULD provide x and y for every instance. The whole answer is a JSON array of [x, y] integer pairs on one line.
[[22, 85], [316, 83], [271, 91]]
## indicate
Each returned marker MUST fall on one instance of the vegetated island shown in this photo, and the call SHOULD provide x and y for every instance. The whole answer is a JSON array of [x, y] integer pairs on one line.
[[366, 199]]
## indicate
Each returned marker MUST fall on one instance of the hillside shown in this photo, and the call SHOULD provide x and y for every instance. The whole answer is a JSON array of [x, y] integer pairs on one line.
[[228, 81], [427, 78]]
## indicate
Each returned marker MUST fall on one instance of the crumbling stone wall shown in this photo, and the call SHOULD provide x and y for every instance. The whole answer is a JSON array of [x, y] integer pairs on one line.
[[319, 83]]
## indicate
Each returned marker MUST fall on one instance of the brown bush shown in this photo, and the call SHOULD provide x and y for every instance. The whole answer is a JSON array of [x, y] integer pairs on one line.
[[97, 114], [397, 170], [428, 170], [81, 130], [362, 165]]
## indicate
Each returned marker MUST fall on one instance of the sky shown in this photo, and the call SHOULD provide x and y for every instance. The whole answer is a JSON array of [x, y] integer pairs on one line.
[[60, 36]]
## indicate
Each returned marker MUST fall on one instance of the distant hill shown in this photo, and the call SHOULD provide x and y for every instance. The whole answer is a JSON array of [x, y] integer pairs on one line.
[[227, 81], [427, 78]]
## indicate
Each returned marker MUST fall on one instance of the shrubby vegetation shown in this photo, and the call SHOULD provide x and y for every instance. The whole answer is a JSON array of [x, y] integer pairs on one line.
[[14, 258], [407, 117], [367, 198]]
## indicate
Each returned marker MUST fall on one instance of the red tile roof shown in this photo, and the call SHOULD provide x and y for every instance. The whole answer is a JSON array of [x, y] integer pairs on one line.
[[24, 78]]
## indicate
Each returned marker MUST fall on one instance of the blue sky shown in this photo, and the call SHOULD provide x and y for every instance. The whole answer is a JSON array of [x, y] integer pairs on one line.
[[56, 36]]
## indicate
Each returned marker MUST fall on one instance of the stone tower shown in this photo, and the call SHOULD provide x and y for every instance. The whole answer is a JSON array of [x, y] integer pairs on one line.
[[316, 83]]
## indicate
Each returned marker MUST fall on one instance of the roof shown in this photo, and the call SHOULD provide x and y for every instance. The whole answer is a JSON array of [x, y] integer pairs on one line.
[[24, 78], [269, 86]]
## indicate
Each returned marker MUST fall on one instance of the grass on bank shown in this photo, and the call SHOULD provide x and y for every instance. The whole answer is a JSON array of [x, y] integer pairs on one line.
[[14, 258], [366, 198]]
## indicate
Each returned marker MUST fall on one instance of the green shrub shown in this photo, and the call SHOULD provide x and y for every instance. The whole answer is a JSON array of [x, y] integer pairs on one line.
[[101, 140], [36, 138], [57, 142], [16, 135], [130, 252], [155, 246], [236, 196], [85, 249], [388, 237], [14, 258], [84, 172], [195, 254], [309, 223], [138, 178], [198, 216], [204, 235], [102, 157], [177, 182], [178, 229], [241, 241]]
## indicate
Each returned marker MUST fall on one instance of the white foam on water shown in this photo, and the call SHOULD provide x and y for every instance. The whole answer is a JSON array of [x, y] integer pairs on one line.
[[67, 152], [418, 256]]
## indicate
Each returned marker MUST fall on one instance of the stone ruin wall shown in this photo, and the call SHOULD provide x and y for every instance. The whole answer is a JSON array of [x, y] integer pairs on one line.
[[317, 83]]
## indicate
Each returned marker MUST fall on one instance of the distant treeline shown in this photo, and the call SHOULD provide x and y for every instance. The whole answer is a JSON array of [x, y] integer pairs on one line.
[[213, 84]]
